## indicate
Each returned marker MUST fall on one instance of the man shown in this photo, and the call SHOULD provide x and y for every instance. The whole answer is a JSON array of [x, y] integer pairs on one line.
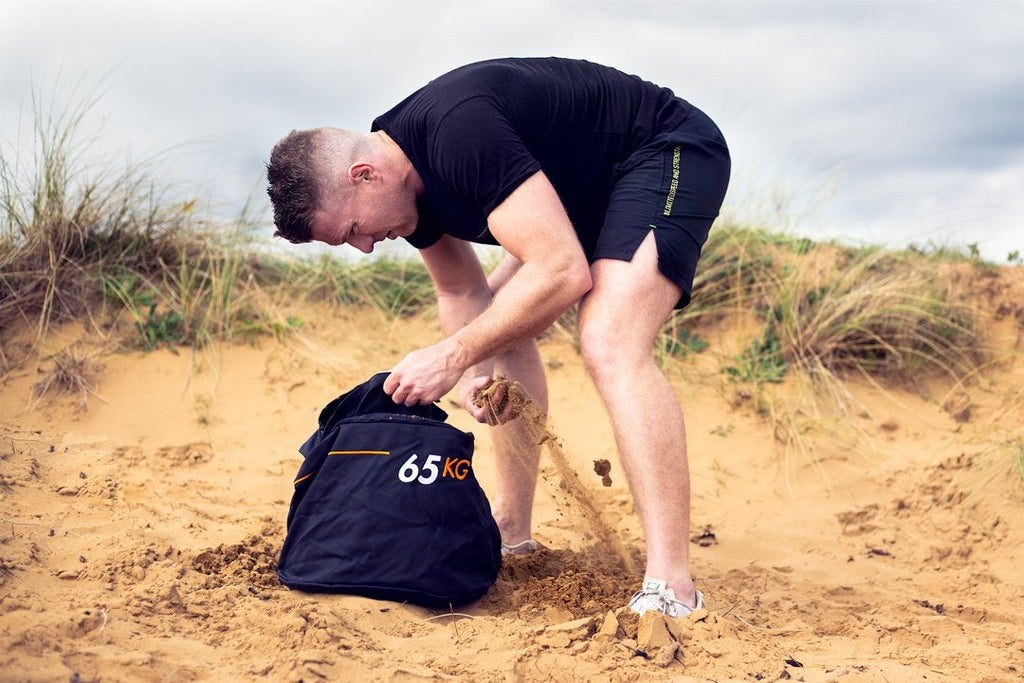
[[601, 187]]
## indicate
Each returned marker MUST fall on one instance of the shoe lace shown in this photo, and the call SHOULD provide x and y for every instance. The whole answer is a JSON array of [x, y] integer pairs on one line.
[[663, 601], [660, 601]]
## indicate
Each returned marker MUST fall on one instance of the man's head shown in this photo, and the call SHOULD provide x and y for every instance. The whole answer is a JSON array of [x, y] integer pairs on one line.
[[341, 187]]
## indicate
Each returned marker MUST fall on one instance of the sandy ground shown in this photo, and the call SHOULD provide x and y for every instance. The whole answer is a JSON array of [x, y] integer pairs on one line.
[[139, 536]]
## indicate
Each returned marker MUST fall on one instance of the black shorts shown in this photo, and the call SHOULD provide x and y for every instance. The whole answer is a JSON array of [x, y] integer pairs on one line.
[[674, 185]]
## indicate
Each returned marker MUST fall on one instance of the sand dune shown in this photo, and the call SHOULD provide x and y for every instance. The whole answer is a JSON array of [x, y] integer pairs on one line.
[[139, 536]]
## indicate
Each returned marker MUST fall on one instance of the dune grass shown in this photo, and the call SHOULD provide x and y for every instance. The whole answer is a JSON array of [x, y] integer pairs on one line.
[[813, 316], [107, 246], [73, 372]]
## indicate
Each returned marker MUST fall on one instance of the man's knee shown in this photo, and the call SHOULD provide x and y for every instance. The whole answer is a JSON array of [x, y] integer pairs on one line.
[[602, 353]]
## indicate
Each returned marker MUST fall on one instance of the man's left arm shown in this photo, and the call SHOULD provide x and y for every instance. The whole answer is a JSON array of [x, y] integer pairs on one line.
[[532, 225]]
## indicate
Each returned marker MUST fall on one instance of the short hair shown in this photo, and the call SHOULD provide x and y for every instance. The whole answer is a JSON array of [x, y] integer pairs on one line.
[[293, 185]]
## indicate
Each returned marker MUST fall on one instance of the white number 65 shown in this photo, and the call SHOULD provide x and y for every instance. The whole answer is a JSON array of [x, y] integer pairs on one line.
[[409, 471]]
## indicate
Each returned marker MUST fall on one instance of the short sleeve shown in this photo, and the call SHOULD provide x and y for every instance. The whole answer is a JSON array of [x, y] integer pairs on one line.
[[479, 155]]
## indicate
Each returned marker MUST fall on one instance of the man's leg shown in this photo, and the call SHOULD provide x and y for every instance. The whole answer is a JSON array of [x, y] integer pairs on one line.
[[619, 321], [517, 448]]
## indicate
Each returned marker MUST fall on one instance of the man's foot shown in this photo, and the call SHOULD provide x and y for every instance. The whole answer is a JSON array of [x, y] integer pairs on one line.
[[522, 548], [655, 596]]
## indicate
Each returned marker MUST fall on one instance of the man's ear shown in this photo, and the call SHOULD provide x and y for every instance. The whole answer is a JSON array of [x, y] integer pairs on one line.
[[361, 172]]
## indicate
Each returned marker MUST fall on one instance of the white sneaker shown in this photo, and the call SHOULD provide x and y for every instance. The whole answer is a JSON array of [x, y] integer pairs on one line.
[[654, 596], [522, 548]]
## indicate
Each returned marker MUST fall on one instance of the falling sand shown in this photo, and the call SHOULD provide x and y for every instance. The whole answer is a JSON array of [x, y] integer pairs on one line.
[[508, 397]]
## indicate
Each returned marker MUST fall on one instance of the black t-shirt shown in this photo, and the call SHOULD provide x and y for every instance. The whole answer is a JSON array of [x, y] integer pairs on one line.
[[476, 133]]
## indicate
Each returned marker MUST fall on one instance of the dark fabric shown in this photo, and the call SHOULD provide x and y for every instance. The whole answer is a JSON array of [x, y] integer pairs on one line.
[[476, 133], [673, 186], [386, 505]]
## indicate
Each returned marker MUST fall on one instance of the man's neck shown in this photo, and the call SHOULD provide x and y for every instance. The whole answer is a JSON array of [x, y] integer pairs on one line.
[[400, 161]]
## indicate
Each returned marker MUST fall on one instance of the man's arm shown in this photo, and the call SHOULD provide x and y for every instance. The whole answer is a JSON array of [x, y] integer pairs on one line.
[[460, 282], [463, 292], [532, 225]]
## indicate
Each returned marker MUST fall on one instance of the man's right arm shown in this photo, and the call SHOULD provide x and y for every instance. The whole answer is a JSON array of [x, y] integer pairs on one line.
[[459, 279], [462, 294]]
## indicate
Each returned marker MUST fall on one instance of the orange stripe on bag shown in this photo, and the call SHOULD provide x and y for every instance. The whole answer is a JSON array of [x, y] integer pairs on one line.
[[359, 453], [302, 479]]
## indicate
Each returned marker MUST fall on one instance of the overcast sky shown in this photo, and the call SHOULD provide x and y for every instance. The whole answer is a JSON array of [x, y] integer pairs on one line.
[[874, 121]]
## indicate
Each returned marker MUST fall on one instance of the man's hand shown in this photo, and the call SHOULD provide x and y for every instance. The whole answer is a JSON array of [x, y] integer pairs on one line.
[[491, 411], [423, 376], [495, 400]]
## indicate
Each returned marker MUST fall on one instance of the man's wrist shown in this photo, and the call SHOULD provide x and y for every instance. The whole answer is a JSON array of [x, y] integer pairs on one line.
[[456, 354]]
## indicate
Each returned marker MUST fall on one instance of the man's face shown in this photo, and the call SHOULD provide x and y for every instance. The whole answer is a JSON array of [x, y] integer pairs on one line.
[[371, 212]]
